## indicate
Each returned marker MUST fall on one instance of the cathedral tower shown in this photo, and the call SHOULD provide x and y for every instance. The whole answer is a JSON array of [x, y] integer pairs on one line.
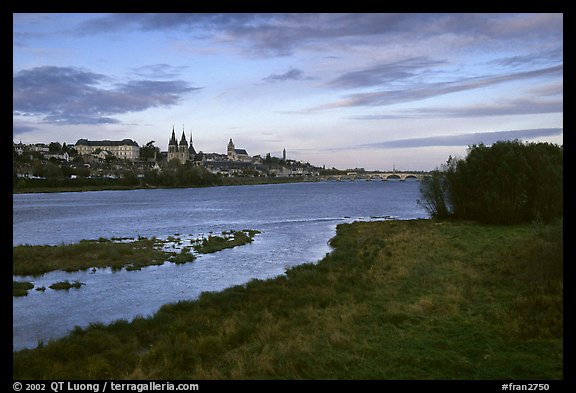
[[180, 151], [231, 151], [183, 150], [172, 146]]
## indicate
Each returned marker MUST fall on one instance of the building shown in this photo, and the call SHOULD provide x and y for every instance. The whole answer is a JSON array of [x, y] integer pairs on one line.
[[19, 148], [237, 154], [234, 168], [181, 151], [40, 147], [58, 156], [126, 148]]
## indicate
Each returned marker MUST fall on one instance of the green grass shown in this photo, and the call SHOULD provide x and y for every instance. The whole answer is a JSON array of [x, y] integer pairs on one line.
[[184, 256], [395, 300], [21, 288], [132, 255], [37, 260], [227, 240], [66, 285]]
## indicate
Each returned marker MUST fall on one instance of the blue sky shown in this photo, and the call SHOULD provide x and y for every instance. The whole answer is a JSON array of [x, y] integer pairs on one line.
[[341, 90]]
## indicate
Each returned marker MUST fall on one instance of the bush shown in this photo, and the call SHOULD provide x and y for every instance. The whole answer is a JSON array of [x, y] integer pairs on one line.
[[434, 192], [509, 182]]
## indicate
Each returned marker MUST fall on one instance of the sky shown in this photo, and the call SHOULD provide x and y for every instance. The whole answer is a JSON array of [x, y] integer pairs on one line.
[[372, 91]]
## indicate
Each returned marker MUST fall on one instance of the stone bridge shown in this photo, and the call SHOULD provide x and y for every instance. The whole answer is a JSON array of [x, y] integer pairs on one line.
[[378, 176]]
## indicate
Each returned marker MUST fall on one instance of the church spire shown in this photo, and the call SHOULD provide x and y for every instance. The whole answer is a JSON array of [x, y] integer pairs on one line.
[[183, 139], [192, 150], [173, 139]]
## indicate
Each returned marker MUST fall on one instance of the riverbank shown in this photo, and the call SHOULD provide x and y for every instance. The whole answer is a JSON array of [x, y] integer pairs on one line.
[[412, 299], [41, 186]]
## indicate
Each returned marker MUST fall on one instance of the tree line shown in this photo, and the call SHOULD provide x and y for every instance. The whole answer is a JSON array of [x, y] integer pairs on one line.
[[509, 182], [176, 175]]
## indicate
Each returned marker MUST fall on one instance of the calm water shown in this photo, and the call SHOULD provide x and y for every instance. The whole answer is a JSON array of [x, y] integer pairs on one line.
[[296, 221]]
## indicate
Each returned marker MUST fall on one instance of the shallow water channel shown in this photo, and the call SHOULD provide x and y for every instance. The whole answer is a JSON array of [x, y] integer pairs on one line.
[[296, 220]]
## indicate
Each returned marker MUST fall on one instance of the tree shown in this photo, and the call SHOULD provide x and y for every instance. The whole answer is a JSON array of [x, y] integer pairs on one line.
[[506, 183], [129, 178], [52, 171], [435, 195], [54, 147], [149, 151], [174, 163]]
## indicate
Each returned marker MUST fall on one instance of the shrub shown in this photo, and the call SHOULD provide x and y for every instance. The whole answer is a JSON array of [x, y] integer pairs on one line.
[[507, 183]]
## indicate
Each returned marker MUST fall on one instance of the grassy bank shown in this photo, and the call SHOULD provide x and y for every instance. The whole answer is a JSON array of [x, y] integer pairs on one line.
[[66, 285], [227, 240], [133, 255], [21, 288], [37, 260], [41, 186], [395, 300]]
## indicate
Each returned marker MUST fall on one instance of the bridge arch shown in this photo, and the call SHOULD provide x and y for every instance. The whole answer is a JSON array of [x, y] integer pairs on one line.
[[402, 176]]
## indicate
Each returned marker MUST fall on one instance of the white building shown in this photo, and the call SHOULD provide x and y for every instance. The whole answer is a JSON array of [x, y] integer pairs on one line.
[[126, 148], [59, 156]]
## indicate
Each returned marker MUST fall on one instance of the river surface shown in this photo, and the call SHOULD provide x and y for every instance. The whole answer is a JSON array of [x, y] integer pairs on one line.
[[296, 220]]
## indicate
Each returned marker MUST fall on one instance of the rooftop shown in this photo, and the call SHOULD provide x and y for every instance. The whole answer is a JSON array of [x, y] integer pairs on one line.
[[123, 142]]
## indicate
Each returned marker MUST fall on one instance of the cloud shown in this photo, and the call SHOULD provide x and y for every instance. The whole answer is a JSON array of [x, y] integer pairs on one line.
[[280, 34], [22, 129], [421, 91], [267, 33], [486, 138], [553, 89], [386, 73], [291, 74], [73, 96], [501, 108], [548, 57], [209, 22], [159, 71]]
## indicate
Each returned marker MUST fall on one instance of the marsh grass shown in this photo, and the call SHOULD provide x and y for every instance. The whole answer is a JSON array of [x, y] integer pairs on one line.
[[395, 300], [21, 288], [66, 285], [184, 256], [117, 253], [37, 260], [229, 239]]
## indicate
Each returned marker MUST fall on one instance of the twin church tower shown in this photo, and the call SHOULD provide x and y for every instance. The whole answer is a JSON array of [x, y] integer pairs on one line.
[[183, 153]]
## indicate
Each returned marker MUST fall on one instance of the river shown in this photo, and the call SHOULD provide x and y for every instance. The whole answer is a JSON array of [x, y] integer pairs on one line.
[[296, 220]]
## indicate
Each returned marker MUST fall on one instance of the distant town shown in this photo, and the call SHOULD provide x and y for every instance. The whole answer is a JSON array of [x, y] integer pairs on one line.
[[109, 158], [182, 165]]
